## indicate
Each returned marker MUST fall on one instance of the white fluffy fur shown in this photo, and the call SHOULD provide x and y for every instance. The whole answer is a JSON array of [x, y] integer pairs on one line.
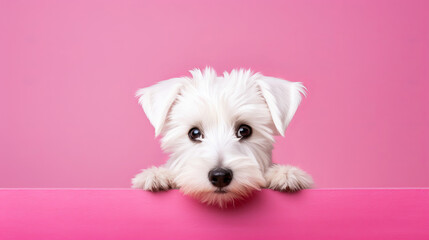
[[217, 105]]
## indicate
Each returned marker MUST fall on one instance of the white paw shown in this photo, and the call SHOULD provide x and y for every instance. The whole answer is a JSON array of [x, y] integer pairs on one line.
[[153, 179], [287, 178]]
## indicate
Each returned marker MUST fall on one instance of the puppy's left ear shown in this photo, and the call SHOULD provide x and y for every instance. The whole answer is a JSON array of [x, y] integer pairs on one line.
[[283, 98], [157, 100]]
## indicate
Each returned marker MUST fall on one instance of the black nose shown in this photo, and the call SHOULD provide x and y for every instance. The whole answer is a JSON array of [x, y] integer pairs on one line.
[[220, 177]]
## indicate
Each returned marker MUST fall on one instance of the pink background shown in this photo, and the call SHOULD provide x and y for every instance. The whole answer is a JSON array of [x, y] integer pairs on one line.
[[69, 71]]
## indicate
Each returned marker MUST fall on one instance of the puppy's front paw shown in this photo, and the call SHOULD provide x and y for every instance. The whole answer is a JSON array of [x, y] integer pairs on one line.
[[287, 178], [153, 179]]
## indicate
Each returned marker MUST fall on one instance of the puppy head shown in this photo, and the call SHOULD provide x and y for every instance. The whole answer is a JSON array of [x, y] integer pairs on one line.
[[219, 130]]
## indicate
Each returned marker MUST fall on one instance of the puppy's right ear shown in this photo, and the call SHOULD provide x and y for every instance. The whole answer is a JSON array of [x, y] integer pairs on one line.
[[157, 100]]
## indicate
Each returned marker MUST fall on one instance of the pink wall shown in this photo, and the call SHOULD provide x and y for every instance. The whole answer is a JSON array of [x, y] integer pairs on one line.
[[69, 70]]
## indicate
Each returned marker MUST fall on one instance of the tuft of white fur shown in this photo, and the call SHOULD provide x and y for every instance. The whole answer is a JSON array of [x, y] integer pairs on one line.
[[153, 179], [287, 178], [218, 105]]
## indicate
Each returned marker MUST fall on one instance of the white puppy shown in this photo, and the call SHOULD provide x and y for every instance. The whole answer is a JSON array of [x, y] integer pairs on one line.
[[219, 132]]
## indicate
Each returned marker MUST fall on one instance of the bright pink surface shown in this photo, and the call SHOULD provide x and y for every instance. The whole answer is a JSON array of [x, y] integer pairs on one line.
[[133, 214], [69, 71]]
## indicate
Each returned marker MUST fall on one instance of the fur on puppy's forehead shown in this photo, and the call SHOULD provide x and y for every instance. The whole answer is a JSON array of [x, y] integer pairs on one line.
[[219, 100]]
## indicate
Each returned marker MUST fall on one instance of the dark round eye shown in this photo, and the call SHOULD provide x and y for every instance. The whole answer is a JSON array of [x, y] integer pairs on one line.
[[244, 131], [195, 134]]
